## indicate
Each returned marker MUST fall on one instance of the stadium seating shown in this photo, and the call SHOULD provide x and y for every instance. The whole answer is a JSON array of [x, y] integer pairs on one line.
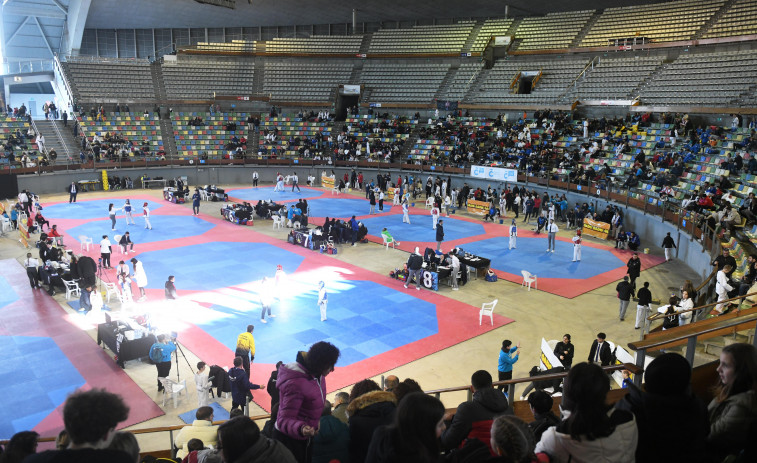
[[391, 82], [210, 138], [739, 19], [97, 79], [461, 82], [422, 39], [235, 46], [133, 128], [555, 30], [290, 129], [304, 81], [318, 44], [490, 28], [201, 79], [615, 78], [9, 125]]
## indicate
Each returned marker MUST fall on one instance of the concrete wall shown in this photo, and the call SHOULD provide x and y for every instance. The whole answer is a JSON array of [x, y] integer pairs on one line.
[[650, 228]]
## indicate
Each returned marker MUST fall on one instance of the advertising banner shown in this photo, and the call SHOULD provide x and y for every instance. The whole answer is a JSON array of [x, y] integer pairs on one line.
[[327, 181], [478, 207], [494, 173], [596, 229]]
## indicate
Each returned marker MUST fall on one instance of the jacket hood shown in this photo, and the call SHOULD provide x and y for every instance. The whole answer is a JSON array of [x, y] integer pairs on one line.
[[236, 374], [292, 371], [491, 399], [266, 450], [371, 398]]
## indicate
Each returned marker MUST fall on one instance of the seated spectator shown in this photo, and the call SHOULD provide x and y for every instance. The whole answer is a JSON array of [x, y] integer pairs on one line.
[[41, 221], [513, 441], [240, 440], [473, 419], [408, 386], [733, 411], [413, 437], [369, 408], [333, 438], [541, 406], [590, 431], [667, 411], [633, 241], [126, 442], [389, 239], [201, 428], [90, 417], [21, 445], [341, 401]]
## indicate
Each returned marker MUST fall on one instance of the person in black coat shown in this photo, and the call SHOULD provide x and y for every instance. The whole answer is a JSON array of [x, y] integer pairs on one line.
[[604, 356], [368, 412], [541, 406], [667, 412], [439, 234], [564, 351], [634, 269]]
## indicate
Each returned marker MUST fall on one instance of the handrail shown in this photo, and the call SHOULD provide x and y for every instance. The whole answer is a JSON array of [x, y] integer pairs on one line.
[[658, 315], [59, 68], [63, 142], [707, 280], [515, 79], [580, 74], [537, 78]]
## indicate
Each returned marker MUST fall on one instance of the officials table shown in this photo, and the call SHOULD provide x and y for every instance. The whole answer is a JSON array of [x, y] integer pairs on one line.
[[88, 185], [147, 182], [124, 349], [481, 264]]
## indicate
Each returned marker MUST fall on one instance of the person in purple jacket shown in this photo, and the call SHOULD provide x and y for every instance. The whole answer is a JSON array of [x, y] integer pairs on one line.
[[302, 390]]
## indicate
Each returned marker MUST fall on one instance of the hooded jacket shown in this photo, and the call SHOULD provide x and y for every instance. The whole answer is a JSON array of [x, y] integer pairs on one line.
[[477, 414], [332, 441], [302, 396], [266, 450], [368, 412], [240, 384]]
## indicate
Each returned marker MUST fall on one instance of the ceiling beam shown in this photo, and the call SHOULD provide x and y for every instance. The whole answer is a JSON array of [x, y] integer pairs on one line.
[[13, 35], [13, 9], [60, 6], [44, 37]]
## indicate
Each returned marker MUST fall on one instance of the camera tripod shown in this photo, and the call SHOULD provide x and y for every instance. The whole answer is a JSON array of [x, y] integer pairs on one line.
[[177, 351]]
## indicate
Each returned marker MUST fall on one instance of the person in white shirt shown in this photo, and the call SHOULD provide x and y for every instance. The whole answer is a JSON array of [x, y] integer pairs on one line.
[[722, 287], [146, 215], [448, 204], [685, 304], [105, 250], [577, 246], [434, 216], [202, 384], [140, 277], [323, 299], [255, 177], [381, 200], [96, 301], [513, 235], [455, 264], [295, 182], [551, 233], [405, 215], [32, 270]]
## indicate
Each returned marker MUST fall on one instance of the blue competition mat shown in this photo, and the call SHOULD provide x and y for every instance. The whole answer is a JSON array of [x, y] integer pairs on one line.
[[420, 229], [164, 227], [97, 209], [266, 193]]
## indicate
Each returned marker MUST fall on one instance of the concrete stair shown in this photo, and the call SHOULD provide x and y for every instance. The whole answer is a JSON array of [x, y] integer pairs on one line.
[[60, 138], [718, 14], [585, 30]]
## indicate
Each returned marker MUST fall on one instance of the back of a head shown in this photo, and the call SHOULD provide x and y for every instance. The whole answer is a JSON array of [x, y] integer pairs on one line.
[[362, 387], [481, 379], [512, 438], [540, 401], [668, 375], [415, 424], [406, 387], [236, 436], [126, 442], [321, 356], [204, 413], [584, 394], [21, 445], [89, 415]]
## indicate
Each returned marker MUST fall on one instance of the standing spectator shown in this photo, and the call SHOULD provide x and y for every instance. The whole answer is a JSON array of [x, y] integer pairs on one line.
[[564, 351], [625, 293], [439, 234], [455, 264], [246, 348], [599, 352], [593, 431], [354, 227], [643, 309], [415, 269], [140, 277], [73, 190], [240, 385], [32, 270], [90, 417], [160, 354], [508, 355], [551, 233], [668, 245], [202, 385], [112, 214], [105, 250], [196, 202], [170, 288], [634, 268], [302, 386], [341, 401], [722, 287]]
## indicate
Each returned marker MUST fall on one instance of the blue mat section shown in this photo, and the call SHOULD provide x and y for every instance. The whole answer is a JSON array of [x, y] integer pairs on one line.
[[365, 319], [208, 266], [219, 413], [266, 193], [420, 229], [96, 209], [164, 227], [27, 395], [328, 207], [7, 293], [530, 255]]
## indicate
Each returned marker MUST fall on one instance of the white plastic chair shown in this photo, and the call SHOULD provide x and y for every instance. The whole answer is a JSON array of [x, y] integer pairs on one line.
[[85, 241], [296, 225], [278, 221], [387, 242], [429, 202], [112, 289], [119, 248], [72, 289], [487, 308], [172, 390], [204, 195], [528, 279], [7, 224], [336, 191]]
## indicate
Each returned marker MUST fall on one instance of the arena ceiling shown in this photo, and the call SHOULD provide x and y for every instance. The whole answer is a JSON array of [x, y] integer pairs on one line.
[[120, 14]]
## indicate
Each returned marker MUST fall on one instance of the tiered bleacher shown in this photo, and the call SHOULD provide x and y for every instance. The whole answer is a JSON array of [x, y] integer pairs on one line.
[[712, 79], [461, 82], [294, 136], [140, 131], [422, 39], [491, 28], [615, 78], [304, 81], [380, 133], [739, 19], [114, 79], [556, 77], [392, 82], [316, 44], [555, 30], [190, 78], [211, 138], [235, 46], [663, 22], [10, 143]]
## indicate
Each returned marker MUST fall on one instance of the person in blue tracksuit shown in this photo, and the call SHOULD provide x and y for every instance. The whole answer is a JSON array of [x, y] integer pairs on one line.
[[508, 355], [166, 346], [240, 384]]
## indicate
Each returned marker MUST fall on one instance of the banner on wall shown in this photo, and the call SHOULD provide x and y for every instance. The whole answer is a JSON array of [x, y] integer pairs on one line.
[[478, 207], [23, 233], [494, 173], [327, 181], [548, 359], [596, 229]]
